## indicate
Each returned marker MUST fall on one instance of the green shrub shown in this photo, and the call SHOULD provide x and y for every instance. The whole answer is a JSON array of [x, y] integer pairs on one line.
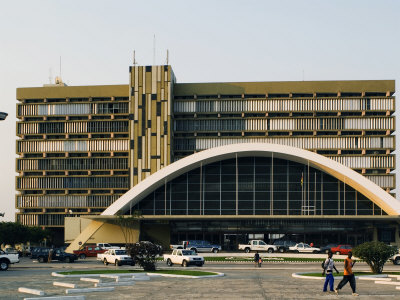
[[375, 254], [144, 254]]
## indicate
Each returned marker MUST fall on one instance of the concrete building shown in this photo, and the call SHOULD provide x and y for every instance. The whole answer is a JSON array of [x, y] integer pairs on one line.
[[82, 148]]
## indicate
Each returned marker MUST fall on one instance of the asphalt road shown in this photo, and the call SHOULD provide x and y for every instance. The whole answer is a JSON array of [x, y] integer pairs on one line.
[[242, 281]]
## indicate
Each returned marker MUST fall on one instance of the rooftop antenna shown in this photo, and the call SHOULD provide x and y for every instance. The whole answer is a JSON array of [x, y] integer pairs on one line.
[[167, 57], [154, 50], [134, 58], [50, 76]]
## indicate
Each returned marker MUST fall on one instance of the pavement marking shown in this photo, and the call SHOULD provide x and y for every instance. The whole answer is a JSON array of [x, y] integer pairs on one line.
[[89, 290], [388, 282], [59, 298], [31, 291], [65, 284], [374, 278]]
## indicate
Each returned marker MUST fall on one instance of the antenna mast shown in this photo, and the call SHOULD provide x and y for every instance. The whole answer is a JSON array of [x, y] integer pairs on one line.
[[134, 58], [154, 50], [167, 57]]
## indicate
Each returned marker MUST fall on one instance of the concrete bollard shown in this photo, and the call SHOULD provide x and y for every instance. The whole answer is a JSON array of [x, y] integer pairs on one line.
[[65, 284], [30, 291], [90, 279]]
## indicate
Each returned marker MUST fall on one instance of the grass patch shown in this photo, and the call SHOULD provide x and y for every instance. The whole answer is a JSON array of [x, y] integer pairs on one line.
[[266, 259], [319, 274], [175, 272]]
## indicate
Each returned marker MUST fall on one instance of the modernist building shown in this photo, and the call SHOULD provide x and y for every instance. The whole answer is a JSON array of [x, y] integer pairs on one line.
[[301, 158]]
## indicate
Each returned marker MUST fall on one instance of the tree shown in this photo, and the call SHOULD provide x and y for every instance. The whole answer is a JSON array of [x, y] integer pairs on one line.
[[375, 254], [127, 224], [13, 233], [144, 254]]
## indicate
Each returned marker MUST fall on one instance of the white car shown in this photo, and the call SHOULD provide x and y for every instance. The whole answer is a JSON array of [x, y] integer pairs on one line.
[[7, 259], [117, 257], [184, 257], [258, 245], [107, 246], [304, 248]]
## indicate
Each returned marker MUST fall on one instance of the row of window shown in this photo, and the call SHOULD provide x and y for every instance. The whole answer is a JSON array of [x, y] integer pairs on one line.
[[336, 142], [72, 109], [72, 164], [288, 105], [66, 201], [285, 124], [72, 182], [72, 127], [73, 145], [366, 162]]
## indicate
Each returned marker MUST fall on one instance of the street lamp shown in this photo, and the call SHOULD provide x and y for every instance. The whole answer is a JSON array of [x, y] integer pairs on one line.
[[3, 116]]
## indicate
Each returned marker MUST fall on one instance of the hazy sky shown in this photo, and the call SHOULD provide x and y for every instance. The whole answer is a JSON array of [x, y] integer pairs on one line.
[[207, 40]]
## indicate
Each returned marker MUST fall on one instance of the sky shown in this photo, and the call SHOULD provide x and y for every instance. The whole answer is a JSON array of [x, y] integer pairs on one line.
[[208, 41]]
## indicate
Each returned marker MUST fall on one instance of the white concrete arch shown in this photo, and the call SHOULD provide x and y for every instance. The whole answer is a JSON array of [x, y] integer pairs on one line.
[[360, 183]]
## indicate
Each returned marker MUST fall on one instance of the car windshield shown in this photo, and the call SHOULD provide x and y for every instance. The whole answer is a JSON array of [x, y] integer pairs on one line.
[[188, 252], [307, 246], [120, 252]]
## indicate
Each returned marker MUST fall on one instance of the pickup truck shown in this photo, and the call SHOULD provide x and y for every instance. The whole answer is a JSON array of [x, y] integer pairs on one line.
[[89, 251], [7, 259], [197, 246], [184, 257], [258, 245], [107, 246], [117, 257]]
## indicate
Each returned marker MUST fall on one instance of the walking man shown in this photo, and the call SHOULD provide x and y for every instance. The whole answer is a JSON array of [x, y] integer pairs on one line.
[[329, 265], [256, 259], [348, 275]]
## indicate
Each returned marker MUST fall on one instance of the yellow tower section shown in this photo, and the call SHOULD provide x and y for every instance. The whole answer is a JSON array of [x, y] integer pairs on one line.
[[150, 120]]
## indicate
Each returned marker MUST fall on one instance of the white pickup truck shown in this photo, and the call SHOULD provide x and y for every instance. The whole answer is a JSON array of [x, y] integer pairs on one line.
[[7, 259], [184, 258], [117, 257], [258, 245]]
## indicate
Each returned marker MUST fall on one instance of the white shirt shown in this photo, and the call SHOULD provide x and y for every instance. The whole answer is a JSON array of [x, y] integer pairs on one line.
[[329, 264]]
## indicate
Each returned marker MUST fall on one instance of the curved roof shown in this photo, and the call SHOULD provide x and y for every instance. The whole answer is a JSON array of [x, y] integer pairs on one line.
[[360, 183]]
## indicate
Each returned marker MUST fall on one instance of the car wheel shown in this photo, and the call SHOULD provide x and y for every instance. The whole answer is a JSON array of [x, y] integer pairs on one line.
[[247, 250], [169, 262], [296, 251], [315, 252], [337, 253], [397, 261], [117, 263], [82, 256], [41, 259], [215, 250], [270, 250], [4, 265], [184, 264], [105, 262], [281, 250], [68, 259]]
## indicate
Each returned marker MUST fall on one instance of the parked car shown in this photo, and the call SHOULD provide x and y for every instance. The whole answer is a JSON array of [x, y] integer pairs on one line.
[[304, 248], [327, 248], [395, 259], [107, 246], [6, 259], [341, 249], [257, 245], [117, 257], [10, 250], [197, 246], [184, 257], [89, 251], [42, 255], [283, 245]]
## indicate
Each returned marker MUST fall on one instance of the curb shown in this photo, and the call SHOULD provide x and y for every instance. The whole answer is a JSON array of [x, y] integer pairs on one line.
[[303, 276], [218, 274]]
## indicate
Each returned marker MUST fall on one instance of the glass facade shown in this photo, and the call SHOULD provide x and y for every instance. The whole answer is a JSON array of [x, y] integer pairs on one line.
[[256, 186]]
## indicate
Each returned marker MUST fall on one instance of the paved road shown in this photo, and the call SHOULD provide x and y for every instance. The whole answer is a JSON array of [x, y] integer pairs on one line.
[[242, 281]]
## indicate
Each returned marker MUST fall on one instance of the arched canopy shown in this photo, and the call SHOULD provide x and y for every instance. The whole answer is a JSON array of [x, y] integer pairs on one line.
[[358, 182]]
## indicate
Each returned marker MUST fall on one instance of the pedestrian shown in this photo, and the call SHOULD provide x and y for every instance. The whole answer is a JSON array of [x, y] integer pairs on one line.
[[256, 259], [348, 275], [50, 255], [259, 262], [329, 266]]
